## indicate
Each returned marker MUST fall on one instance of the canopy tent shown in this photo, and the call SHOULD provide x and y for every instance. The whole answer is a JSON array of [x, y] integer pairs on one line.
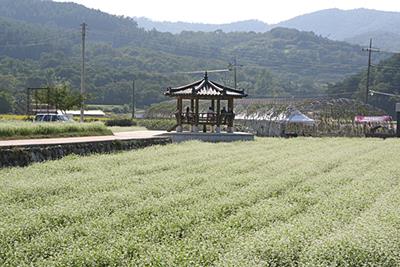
[[298, 117]]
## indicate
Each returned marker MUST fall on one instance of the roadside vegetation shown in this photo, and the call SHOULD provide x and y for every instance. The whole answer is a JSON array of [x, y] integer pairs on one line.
[[15, 117], [149, 124], [121, 122], [118, 129], [272, 202], [25, 130]]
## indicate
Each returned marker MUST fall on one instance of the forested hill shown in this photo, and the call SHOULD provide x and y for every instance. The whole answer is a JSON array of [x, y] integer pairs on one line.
[[178, 27], [356, 26], [68, 16], [385, 77], [40, 45], [343, 24]]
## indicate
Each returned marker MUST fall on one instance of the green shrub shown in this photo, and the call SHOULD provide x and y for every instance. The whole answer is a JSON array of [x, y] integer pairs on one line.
[[13, 117], [120, 109], [120, 122], [91, 119], [157, 124]]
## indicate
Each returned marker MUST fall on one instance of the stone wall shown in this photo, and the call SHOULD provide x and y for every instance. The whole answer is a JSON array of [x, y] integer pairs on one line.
[[23, 156]]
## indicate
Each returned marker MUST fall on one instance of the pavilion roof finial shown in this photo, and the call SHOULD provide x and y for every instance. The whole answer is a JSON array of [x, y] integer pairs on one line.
[[206, 76]]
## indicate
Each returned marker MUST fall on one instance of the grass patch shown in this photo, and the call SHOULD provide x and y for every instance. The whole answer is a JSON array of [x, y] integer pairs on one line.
[[91, 119], [13, 117], [156, 124], [272, 202], [25, 130], [118, 129]]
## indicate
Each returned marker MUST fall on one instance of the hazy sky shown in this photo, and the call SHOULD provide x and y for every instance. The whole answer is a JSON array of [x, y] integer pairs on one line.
[[221, 11]]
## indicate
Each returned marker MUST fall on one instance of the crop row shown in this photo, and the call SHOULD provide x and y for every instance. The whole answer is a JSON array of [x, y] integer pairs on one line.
[[272, 202]]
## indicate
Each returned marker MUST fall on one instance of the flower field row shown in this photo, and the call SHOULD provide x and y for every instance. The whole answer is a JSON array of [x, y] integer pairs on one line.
[[272, 202]]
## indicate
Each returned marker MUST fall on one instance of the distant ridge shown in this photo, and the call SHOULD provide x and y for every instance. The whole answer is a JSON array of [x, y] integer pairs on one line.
[[343, 24], [355, 26], [178, 27]]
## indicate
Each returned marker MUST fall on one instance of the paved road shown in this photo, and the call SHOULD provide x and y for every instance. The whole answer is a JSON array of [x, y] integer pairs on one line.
[[72, 140]]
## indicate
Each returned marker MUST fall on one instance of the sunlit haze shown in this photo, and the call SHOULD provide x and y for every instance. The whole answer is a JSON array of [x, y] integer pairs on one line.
[[222, 11]]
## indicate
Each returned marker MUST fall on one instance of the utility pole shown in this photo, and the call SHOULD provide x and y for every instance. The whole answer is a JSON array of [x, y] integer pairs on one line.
[[234, 68], [235, 72], [133, 99], [370, 50], [83, 70]]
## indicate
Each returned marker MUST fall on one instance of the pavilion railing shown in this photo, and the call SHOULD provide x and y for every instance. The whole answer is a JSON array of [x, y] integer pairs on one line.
[[205, 118]]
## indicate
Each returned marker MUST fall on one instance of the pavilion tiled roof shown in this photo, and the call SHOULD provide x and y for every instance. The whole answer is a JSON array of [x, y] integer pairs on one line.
[[205, 87]]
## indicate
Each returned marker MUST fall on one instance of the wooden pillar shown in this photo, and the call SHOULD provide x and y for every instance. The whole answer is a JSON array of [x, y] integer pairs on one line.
[[230, 105], [398, 120], [179, 115], [177, 112], [197, 111], [212, 118], [192, 117], [180, 105], [230, 111], [398, 125], [218, 128], [218, 113]]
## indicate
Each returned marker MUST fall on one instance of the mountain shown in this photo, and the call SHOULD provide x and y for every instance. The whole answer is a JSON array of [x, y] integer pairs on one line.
[[178, 27], [344, 24], [41, 44], [356, 26], [387, 41]]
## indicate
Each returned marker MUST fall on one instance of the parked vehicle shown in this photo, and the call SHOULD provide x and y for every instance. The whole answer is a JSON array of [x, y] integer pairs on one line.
[[51, 118]]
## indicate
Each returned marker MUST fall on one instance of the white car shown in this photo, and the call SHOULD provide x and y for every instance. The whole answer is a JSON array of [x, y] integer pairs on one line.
[[51, 118]]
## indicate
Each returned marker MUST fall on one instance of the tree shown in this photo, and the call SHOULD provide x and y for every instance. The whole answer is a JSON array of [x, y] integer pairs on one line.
[[61, 97], [6, 105]]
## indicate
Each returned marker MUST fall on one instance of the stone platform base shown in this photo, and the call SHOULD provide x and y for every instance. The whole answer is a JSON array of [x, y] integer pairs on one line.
[[209, 137]]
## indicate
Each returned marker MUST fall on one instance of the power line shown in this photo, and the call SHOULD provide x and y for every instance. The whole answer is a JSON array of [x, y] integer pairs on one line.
[[372, 92], [386, 67], [200, 71], [45, 41], [305, 96]]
